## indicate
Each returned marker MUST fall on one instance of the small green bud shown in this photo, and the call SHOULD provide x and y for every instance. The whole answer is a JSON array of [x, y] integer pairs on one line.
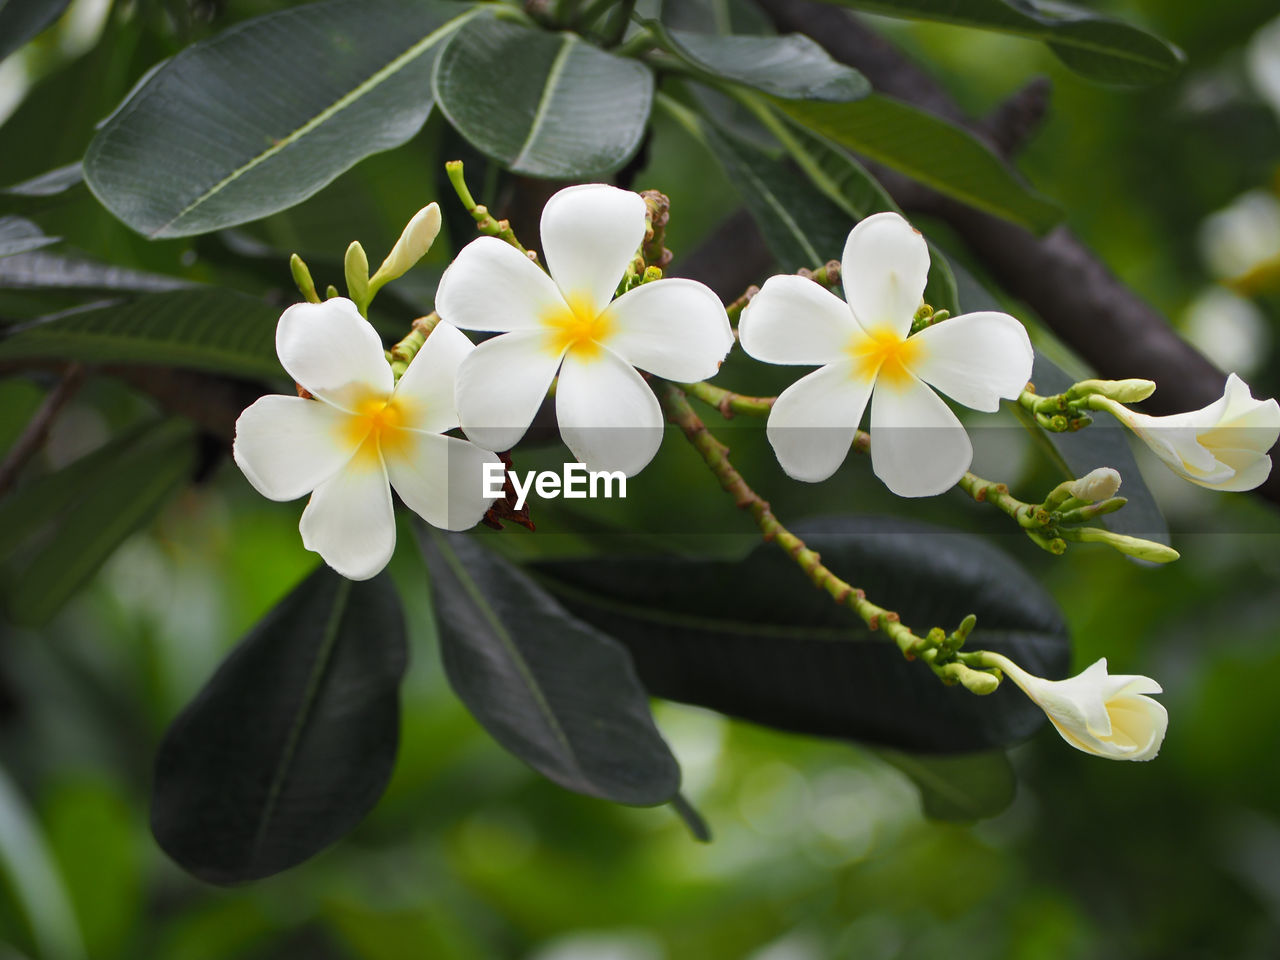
[[331, 292], [1121, 391], [415, 240], [1130, 546], [302, 278], [979, 681], [356, 265]]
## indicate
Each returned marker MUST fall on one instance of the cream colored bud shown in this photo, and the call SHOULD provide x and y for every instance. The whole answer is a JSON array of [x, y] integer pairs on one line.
[[1121, 391], [414, 242], [1099, 484]]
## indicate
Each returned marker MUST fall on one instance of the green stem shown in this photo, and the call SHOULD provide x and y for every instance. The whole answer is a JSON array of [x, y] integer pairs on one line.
[[716, 456], [621, 20], [485, 222], [592, 14]]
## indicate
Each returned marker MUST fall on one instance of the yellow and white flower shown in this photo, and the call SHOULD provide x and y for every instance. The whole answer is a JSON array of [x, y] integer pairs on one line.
[[569, 323], [866, 353], [359, 435], [1223, 446], [1108, 716]]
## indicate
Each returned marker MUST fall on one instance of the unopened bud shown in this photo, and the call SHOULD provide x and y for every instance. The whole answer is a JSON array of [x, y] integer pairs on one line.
[[415, 240], [356, 264], [302, 278], [1130, 546], [1121, 391], [1099, 484]]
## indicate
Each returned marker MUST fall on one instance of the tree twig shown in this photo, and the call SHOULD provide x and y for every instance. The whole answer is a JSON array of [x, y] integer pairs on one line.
[[37, 429]]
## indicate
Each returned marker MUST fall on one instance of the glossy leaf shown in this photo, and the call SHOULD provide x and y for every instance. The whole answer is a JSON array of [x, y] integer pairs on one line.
[[755, 640], [268, 112], [19, 236], [791, 66], [1093, 45], [48, 184], [217, 330], [554, 691], [41, 270], [23, 20], [291, 743], [928, 149], [805, 215], [961, 788], [56, 532], [543, 104], [1104, 443]]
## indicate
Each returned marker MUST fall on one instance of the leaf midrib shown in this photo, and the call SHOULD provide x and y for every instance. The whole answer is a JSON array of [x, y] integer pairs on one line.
[[544, 103], [346, 100]]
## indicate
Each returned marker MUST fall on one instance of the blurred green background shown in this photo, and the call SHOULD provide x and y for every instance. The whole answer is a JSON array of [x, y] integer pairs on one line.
[[820, 849]]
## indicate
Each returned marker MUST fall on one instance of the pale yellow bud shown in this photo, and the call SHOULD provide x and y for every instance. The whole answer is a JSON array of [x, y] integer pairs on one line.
[[1099, 484], [414, 242]]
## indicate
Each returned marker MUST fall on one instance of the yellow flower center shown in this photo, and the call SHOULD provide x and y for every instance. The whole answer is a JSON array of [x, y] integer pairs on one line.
[[884, 354], [376, 425], [576, 326]]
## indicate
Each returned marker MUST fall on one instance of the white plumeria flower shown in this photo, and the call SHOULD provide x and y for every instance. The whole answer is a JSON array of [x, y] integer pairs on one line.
[[608, 415], [1095, 712], [362, 434], [866, 352], [1223, 446]]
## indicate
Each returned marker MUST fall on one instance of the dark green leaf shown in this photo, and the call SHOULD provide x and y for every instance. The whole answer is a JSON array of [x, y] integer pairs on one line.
[[928, 149], [1093, 45], [265, 114], [48, 184], [754, 639], [543, 104], [56, 532], [292, 741], [792, 66], [961, 788], [557, 693], [22, 20], [1104, 443], [217, 330], [19, 236], [53, 271]]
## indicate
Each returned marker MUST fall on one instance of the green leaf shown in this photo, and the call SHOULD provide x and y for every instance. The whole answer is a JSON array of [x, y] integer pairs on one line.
[[22, 20], [928, 149], [754, 639], [48, 184], [557, 693], [791, 66], [805, 215], [56, 532], [543, 104], [291, 743], [19, 236], [29, 872], [210, 329], [41, 270], [268, 112], [962, 788], [1104, 443], [1095, 46]]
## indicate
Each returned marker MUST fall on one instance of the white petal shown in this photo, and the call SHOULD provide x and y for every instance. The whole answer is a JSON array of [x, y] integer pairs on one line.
[[493, 286], [676, 329], [918, 446], [440, 478], [425, 393], [796, 321], [334, 352], [885, 268], [813, 421], [1250, 470], [976, 359], [501, 384], [589, 234], [1247, 424], [349, 520], [288, 446], [609, 418]]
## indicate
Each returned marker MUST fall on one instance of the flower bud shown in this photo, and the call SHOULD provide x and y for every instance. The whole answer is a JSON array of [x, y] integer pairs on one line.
[[1121, 391], [1107, 716], [1099, 484], [1130, 546], [302, 278], [415, 240], [356, 264]]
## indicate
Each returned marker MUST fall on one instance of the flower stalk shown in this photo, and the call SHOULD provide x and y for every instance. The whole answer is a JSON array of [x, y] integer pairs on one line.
[[486, 224]]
